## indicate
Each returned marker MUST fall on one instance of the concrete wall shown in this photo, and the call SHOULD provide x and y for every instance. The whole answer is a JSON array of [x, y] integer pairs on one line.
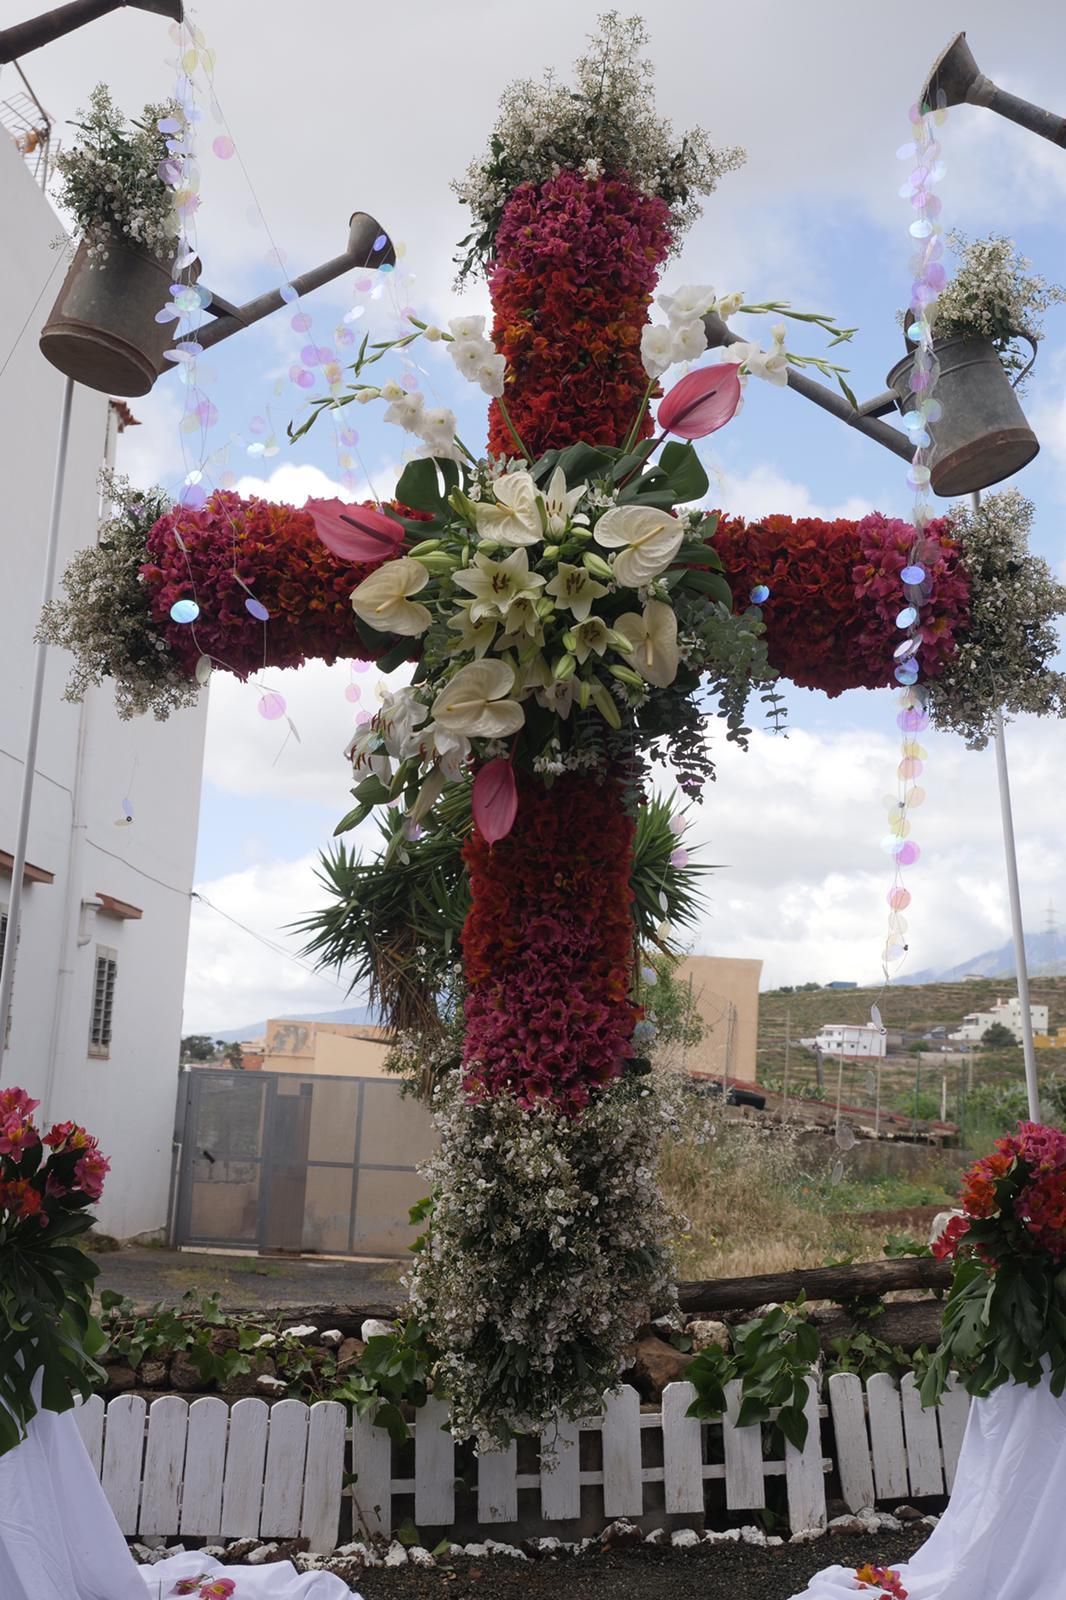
[[725, 992], [333, 1049], [88, 763]]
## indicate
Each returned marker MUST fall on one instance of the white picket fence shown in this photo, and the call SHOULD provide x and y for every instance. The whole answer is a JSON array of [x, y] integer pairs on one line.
[[208, 1469]]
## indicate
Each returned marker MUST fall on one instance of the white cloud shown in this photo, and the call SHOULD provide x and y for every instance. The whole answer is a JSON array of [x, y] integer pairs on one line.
[[764, 490], [233, 978], [798, 821]]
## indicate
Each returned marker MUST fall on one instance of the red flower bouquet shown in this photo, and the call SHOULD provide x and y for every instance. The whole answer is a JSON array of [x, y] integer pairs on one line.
[[47, 1184], [234, 550], [548, 945], [835, 593], [1005, 1319], [576, 262]]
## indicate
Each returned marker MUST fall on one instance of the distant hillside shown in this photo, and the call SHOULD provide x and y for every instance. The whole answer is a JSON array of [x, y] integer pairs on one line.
[[1045, 955], [256, 1030]]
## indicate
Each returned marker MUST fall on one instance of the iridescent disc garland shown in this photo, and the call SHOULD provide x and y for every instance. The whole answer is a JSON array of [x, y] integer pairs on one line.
[[923, 413]]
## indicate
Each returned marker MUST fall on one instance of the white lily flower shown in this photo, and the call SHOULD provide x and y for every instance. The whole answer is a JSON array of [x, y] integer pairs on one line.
[[558, 697], [428, 796], [475, 636], [560, 502], [523, 623], [515, 518], [656, 348], [496, 585], [653, 635], [648, 540], [575, 589], [467, 327], [381, 599], [692, 301], [401, 713], [366, 756], [589, 636], [473, 702]]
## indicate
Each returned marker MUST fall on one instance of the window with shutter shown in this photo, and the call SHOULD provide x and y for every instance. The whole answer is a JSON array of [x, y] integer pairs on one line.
[[103, 1002]]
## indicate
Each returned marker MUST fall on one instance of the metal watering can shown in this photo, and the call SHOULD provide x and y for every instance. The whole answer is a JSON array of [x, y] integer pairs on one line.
[[102, 330], [956, 80], [26, 36]]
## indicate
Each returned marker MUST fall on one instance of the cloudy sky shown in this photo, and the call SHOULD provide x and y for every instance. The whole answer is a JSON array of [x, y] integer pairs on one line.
[[334, 108]]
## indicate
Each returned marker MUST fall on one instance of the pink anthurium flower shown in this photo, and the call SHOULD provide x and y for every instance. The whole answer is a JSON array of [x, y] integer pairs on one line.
[[495, 800], [355, 533], [702, 402]]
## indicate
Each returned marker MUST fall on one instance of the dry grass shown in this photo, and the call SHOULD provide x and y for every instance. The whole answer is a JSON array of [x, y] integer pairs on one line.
[[753, 1204]]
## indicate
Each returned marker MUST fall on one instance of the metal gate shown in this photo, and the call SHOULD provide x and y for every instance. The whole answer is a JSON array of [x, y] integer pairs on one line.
[[308, 1164]]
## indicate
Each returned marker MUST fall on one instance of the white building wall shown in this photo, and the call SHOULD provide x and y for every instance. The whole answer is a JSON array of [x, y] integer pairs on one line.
[[88, 763]]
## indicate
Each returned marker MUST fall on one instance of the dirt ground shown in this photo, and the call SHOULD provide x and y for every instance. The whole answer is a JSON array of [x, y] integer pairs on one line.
[[647, 1572], [250, 1283]]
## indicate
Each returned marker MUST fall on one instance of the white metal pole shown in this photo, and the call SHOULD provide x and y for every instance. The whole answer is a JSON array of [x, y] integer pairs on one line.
[[18, 865], [1014, 895]]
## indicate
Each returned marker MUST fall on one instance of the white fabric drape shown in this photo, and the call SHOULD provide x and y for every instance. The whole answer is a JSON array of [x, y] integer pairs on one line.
[[59, 1539], [1003, 1536]]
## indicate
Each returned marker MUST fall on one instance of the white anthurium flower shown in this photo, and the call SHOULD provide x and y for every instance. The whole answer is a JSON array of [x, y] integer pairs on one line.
[[473, 703], [690, 341], [647, 539], [408, 411], [656, 348], [515, 518], [690, 302], [653, 636], [593, 635], [381, 600], [475, 636], [496, 585], [401, 713], [575, 589], [467, 327], [491, 372], [560, 502]]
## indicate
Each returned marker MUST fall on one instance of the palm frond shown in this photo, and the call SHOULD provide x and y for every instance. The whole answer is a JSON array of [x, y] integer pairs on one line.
[[394, 930]]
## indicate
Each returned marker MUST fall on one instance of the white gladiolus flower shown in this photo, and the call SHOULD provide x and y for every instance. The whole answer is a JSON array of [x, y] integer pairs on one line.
[[490, 374], [693, 301], [407, 412], [690, 341], [467, 327], [468, 355], [730, 304], [656, 349], [391, 390]]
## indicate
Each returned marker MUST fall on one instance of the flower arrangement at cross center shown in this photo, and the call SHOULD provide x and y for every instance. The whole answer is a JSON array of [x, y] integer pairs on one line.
[[1005, 1318], [47, 1182]]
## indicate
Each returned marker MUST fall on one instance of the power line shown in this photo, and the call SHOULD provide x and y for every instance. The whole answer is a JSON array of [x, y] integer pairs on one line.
[[276, 949]]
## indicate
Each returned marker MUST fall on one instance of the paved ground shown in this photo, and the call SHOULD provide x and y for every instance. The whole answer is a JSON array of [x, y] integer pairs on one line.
[[262, 1283]]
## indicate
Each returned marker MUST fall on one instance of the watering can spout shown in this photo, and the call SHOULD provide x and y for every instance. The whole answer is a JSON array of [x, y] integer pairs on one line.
[[26, 36], [368, 246], [955, 79]]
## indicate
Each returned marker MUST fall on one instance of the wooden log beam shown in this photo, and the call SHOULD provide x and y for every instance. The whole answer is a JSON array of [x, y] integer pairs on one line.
[[907, 1323], [839, 1284]]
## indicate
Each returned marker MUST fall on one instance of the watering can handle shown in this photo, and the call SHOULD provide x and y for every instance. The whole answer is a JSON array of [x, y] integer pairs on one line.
[[1031, 342]]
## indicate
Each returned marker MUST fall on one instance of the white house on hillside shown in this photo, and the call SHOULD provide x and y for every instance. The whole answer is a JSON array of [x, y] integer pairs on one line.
[[1006, 1012], [855, 1041], [96, 1014]]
